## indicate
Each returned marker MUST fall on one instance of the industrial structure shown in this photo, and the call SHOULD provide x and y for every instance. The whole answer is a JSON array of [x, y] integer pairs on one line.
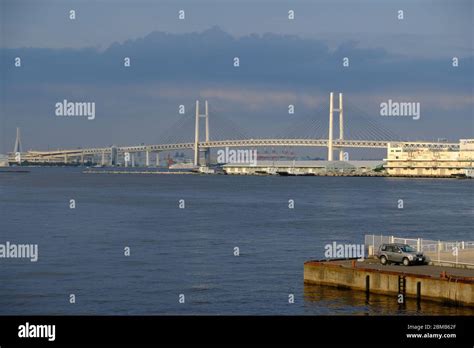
[[3, 160], [431, 162], [295, 168]]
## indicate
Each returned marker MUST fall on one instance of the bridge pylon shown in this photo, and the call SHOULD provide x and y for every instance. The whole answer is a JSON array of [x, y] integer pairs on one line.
[[196, 134], [341, 127], [331, 127]]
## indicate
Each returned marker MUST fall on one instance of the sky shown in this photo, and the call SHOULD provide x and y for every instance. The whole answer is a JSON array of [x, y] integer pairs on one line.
[[282, 62]]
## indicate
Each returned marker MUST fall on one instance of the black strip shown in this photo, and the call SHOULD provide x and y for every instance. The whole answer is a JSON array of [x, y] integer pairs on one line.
[[136, 330]]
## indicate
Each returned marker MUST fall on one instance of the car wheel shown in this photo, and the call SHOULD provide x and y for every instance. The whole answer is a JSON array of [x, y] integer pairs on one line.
[[383, 260], [406, 262]]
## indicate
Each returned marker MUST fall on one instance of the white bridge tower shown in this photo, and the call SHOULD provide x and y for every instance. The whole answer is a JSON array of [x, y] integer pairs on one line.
[[196, 134], [331, 125]]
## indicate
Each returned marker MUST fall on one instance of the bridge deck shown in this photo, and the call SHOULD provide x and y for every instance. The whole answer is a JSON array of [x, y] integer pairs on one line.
[[244, 143]]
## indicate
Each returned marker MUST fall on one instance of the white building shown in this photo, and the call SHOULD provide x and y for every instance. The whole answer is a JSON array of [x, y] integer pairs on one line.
[[303, 167], [430, 162], [3, 160]]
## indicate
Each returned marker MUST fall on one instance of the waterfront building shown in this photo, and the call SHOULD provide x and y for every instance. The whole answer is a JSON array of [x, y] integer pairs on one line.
[[304, 167], [430, 162], [3, 160]]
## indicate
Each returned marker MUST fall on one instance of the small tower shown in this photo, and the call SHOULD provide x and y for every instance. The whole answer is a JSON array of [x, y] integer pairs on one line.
[[17, 142]]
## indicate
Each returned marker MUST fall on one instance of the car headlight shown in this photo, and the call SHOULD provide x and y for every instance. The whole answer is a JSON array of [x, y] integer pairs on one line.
[[410, 257]]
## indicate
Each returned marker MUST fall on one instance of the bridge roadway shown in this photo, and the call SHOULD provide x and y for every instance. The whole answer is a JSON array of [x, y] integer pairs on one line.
[[244, 143]]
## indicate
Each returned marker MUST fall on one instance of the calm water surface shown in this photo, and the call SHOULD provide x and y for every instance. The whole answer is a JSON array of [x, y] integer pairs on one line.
[[190, 251]]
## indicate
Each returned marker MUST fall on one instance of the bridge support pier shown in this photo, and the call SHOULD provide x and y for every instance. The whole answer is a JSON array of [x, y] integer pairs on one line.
[[147, 158], [157, 159], [206, 156], [102, 162], [113, 156], [132, 155]]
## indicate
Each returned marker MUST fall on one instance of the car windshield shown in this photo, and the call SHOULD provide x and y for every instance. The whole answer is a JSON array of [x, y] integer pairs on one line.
[[407, 249]]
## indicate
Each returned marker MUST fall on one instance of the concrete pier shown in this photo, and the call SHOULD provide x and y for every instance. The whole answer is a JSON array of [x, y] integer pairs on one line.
[[449, 285]]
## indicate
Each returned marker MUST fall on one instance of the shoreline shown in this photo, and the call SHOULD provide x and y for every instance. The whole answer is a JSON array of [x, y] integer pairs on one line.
[[283, 174]]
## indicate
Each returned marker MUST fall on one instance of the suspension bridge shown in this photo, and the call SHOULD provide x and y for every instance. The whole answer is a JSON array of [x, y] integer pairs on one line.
[[225, 133]]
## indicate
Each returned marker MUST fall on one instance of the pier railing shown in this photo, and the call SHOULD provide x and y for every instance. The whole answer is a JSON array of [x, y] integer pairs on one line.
[[451, 252]]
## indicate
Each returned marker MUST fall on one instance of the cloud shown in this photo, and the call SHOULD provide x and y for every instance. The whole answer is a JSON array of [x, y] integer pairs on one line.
[[271, 59]]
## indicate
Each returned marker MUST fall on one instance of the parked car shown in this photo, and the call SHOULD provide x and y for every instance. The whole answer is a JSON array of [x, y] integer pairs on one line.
[[399, 253]]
